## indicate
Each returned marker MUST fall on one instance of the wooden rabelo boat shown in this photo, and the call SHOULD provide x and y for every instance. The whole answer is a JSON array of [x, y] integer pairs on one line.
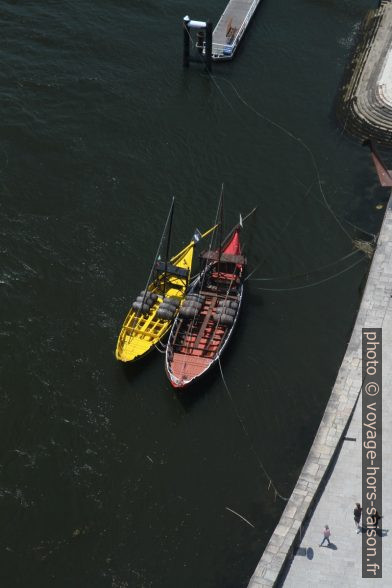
[[153, 311], [208, 315]]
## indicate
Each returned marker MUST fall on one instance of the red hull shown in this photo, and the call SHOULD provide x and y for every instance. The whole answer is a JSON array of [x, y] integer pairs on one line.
[[195, 344]]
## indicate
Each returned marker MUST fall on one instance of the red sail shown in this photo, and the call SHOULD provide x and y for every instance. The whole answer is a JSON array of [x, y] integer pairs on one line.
[[234, 246]]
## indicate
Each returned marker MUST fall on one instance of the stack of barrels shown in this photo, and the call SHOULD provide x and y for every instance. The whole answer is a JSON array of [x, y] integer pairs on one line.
[[168, 308], [192, 305], [144, 301], [225, 312]]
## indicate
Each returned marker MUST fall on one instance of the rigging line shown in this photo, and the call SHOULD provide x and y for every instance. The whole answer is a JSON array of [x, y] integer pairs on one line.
[[168, 250], [139, 312], [189, 330], [292, 136], [220, 316], [248, 436], [249, 214], [220, 232], [228, 288], [314, 283], [323, 267], [252, 272], [163, 351], [189, 35]]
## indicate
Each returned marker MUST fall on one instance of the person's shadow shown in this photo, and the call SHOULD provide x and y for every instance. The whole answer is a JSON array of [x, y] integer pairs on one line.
[[305, 551], [332, 546]]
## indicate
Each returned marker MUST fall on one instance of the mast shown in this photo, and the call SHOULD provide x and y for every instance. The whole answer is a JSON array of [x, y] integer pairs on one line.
[[220, 228], [140, 311], [168, 246]]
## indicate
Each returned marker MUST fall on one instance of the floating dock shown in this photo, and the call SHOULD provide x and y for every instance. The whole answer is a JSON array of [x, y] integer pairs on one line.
[[231, 28]]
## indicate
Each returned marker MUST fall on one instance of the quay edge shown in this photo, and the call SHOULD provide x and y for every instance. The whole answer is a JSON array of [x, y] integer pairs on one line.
[[324, 451], [365, 104]]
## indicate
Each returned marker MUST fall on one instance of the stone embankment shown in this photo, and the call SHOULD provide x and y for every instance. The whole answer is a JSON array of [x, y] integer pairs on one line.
[[365, 109], [325, 452]]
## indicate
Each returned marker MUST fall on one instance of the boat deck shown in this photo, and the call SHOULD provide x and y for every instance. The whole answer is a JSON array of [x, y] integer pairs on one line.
[[230, 28]]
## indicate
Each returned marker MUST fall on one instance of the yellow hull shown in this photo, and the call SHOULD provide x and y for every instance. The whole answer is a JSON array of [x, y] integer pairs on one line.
[[140, 332]]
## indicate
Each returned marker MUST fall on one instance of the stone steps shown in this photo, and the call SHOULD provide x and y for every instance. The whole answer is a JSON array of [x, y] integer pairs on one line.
[[364, 108]]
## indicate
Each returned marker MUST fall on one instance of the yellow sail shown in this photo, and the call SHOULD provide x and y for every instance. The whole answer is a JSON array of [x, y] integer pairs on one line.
[[140, 332]]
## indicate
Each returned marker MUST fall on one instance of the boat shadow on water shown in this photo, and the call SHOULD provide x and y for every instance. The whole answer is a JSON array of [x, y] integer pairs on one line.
[[134, 370], [193, 393]]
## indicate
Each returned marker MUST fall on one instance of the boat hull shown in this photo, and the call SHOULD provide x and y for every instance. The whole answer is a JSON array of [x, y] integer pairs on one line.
[[141, 332], [192, 368], [199, 336]]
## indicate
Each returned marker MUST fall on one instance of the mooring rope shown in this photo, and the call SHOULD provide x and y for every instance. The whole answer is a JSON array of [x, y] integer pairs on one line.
[[241, 517], [280, 127], [344, 220], [301, 142], [189, 35], [315, 283], [282, 232], [318, 178], [287, 133], [361, 230], [290, 277], [189, 330], [160, 347], [270, 481]]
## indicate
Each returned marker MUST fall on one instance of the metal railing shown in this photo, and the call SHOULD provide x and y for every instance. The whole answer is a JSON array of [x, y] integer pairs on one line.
[[233, 44]]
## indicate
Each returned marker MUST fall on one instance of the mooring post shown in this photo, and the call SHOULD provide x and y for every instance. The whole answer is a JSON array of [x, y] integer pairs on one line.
[[185, 56], [200, 38], [209, 45]]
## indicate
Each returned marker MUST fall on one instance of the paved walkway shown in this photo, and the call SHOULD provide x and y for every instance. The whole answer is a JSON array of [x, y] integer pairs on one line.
[[342, 566]]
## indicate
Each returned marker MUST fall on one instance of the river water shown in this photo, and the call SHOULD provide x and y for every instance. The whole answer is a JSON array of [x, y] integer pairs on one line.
[[108, 477]]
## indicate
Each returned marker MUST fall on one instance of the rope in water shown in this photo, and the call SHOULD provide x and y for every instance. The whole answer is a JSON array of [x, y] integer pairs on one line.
[[240, 419], [329, 208], [290, 277], [314, 283], [314, 163], [292, 136]]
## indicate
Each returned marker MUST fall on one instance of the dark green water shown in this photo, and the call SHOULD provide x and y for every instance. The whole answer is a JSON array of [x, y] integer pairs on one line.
[[108, 478]]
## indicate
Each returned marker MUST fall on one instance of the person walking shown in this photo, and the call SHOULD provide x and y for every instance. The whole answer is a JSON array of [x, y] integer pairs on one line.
[[327, 534], [357, 516], [376, 518]]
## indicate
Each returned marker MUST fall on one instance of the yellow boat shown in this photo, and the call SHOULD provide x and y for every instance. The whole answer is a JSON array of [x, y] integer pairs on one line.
[[141, 331]]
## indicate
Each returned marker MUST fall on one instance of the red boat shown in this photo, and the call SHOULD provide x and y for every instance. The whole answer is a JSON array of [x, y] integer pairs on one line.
[[208, 314]]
